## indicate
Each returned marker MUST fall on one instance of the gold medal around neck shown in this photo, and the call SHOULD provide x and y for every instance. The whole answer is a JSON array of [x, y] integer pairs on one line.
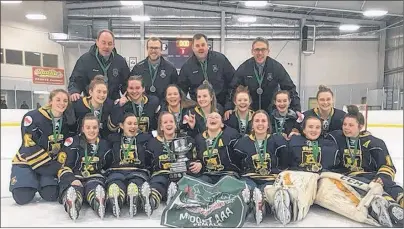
[[315, 168], [206, 82], [85, 173], [263, 171]]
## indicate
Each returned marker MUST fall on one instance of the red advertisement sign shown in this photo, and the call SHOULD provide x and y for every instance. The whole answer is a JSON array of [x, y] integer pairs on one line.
[[52, 76]]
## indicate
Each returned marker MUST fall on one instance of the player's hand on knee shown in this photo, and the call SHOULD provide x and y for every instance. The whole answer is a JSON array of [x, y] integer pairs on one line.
[[74, 97], [77, 183]]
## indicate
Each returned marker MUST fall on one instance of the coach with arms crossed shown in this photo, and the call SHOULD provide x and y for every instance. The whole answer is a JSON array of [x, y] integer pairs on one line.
[[101, 59]]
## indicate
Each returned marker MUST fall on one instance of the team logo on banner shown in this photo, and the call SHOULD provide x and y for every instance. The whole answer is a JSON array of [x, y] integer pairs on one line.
[[198, 204], [27, 121]]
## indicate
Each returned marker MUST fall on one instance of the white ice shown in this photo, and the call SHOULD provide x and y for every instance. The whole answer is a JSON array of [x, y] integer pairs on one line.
[[42, 214]]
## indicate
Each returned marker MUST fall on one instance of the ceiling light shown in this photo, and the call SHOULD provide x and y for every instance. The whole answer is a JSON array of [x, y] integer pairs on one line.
[[255, 3], [41, 92], [140, 18], [35, 16], [349, 27], [11, 2], [374, 13], [132, 3], [247, 19]]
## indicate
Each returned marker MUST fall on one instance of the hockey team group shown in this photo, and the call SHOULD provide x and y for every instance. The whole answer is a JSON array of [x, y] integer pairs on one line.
[[107, 141]]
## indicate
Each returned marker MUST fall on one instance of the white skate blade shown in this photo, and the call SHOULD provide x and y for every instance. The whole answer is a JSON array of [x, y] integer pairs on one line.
[[71, 197], [133, 194], [281, 206], [172, 189], [146, 191], [257, 197], [113, 193], [100, 196]]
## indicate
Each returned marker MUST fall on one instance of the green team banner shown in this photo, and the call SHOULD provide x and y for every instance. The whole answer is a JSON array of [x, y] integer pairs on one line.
[[199, 204]]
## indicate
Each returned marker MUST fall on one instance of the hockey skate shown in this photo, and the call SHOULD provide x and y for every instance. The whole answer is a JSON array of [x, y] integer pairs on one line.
[[258, 205], [282, 206], [379, 211], [246, 194], [72, 202], [396, 214], [133, 198], [113, 196], [99, 201], [172, 189], [146, 192]]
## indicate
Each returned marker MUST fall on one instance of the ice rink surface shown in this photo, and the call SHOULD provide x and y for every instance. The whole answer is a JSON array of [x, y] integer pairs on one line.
[[42, 214]]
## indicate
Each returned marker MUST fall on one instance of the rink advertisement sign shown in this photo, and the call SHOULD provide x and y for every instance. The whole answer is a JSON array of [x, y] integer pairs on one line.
[[53, 76], [198, 204]]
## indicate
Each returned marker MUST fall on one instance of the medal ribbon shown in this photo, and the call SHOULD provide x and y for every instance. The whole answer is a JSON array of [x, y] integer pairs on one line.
[[352, 151], [259, 77], [102, 65], [92, 111], [210, 149], [315, 149], [87, 159], [261, 151], [279, 127], [204, 66], [153, 73], [177, 118], [141, 105], [240, 123], [126, 151], [56, 131], [166, 147]]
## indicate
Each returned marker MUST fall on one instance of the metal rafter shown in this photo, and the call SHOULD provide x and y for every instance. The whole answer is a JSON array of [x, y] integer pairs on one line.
[[265, 13]]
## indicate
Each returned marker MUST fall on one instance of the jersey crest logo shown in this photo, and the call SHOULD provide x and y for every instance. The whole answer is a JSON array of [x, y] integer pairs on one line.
[[215, 68], [68, 141], [163, 73], [269, 77], [27, 121], [115, 72]]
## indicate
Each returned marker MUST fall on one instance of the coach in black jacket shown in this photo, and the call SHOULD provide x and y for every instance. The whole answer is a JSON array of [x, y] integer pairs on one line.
[[206, 65], [157, 72], [101, 59], [271, 74]]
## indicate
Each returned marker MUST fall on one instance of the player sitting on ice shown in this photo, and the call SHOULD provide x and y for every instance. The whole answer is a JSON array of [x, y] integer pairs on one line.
[[262, 157], [130, 167], [367, 193], [163, 157], [80, 178], [294, 192]]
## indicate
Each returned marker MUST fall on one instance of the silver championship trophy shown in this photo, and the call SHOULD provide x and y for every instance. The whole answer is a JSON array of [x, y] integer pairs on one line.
[[181, 147]]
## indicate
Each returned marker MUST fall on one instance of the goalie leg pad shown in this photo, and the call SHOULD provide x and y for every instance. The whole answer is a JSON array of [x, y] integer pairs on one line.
[[301, 188], [342, 198]]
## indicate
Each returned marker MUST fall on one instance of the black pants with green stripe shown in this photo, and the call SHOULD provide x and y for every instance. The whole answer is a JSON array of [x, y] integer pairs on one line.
[[159, 185]]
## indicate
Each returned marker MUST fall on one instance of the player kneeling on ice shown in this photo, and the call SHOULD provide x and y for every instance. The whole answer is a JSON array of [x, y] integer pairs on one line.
[[165, 158], [262, 157], [364, 190], [34, 167], [130, 169], [294, 192], [80, 178]]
